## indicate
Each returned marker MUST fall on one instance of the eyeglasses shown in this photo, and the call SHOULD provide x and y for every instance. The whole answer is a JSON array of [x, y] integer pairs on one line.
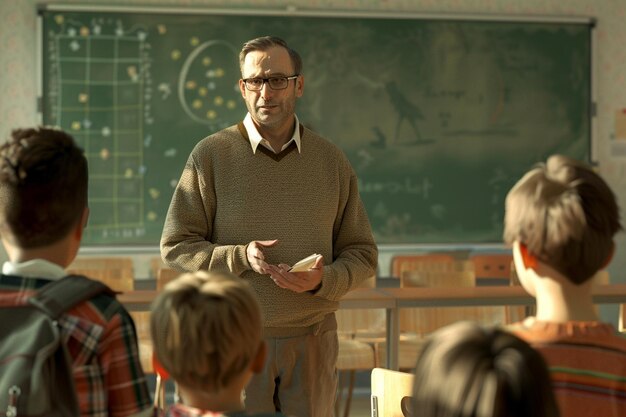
[[275, 83]]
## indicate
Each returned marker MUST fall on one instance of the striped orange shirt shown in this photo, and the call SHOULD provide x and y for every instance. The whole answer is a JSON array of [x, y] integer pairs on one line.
[[587, 362]]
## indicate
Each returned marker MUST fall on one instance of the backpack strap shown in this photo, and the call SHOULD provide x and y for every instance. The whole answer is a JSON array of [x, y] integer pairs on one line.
[[59, 296]]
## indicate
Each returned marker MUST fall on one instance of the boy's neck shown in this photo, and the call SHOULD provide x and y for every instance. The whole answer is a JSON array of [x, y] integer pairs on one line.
[[60, 253], [560, 301], [225, 401]]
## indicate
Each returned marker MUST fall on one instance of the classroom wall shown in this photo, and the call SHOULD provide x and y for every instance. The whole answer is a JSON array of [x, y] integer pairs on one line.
[[19, 76]]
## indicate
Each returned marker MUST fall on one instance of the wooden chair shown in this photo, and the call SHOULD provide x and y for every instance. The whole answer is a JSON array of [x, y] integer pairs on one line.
[[402, 263], [498, 269], [144, 342], [391, 393], [165, 275], [355, 353], [156, 263], [117, 273], [416, 323]]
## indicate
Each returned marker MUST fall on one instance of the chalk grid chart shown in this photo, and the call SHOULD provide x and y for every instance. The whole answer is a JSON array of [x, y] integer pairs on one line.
[[102, 79]]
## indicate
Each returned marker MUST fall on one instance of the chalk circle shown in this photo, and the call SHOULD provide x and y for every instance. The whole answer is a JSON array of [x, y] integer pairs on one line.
[[223, 58]]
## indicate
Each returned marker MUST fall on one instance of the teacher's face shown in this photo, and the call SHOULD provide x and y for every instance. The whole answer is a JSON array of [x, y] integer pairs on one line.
[[271, 109]]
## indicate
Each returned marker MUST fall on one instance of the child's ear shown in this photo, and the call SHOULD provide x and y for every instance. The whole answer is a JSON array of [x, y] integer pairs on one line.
[[258, 362], [529, 260], [82, 223]]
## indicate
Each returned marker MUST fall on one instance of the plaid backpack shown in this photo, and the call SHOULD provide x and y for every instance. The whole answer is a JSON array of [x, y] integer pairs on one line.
[[36, 376]]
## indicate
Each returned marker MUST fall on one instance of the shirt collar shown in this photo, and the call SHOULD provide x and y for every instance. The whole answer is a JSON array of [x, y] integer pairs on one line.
[[256, 138], [35, 268]]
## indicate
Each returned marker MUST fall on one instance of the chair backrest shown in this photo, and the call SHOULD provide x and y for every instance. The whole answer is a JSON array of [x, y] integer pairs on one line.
[[116, 272], [144, 342], [422, 321], [401, 263], [492, 268], [391, 392], [165, 275], [156, 263], [362, 322]]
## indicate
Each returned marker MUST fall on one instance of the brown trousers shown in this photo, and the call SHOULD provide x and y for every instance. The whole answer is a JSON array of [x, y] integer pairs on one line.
[[300, 377]]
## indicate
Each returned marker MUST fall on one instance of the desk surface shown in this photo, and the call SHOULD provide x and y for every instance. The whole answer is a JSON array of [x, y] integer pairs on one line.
[[487, 296], [359, 298], [423, 297]]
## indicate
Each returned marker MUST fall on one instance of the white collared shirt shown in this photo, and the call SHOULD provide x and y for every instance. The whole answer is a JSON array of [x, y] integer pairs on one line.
[[256, 138], [35, 268]]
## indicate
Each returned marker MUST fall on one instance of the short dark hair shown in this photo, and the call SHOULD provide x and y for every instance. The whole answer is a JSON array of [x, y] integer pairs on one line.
[[566, 215], [43, 186], [466, 370], [263, 44]]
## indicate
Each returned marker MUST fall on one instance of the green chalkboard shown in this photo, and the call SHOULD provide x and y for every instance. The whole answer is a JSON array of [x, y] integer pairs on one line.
[[439, 117]]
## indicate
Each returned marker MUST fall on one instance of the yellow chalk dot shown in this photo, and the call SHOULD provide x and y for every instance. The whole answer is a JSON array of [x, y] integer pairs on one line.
[[84, 31], [231, 104], [194, 41], [162, 29], [218, 101], [75, 125], [196, 104], [128, 173], [59, 19], [219, 72], [202, 91], [83, 98], [206, 61], [211, 114], [152, 216], [190, 85], [175, 54], [154, 193], [104, 154]]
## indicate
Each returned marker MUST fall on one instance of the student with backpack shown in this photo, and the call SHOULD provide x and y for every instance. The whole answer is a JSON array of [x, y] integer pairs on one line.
[[67, 348]]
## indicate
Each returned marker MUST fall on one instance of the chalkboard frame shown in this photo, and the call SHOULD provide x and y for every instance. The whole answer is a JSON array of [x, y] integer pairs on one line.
[[303, 12]]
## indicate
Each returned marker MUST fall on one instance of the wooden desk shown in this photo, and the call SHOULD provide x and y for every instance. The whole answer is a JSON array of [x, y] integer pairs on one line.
[[392, 299], [371, 298]]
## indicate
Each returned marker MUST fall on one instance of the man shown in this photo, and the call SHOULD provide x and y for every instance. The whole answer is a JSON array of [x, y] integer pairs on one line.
[[43, 210], [561, 219], [256, 197]]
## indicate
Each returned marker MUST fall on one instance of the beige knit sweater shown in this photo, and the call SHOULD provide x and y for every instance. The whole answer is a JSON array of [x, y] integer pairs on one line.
[[227, 197]]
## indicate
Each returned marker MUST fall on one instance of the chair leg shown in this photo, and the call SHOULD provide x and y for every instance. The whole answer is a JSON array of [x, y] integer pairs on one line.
[[339, 393], [346, 410]]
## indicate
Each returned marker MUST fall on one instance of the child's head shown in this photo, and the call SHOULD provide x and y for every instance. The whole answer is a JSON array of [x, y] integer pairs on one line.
[[565, 215], [206, 330], [465, 370], [43, 187]]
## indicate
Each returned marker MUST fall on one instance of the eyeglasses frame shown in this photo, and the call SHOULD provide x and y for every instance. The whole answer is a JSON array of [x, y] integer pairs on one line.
[[267, 80]]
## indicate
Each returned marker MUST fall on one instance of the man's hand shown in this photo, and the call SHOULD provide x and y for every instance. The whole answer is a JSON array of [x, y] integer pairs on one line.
[[298, 281], [256, 258]]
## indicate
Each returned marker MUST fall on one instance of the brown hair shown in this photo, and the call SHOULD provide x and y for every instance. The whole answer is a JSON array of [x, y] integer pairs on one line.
[[206, 329], [263, 44], [43, 186], [465, 370], [566, 215]]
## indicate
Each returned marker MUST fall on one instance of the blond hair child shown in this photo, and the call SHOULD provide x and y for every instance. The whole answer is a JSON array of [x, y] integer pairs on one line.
[[207, 334]]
